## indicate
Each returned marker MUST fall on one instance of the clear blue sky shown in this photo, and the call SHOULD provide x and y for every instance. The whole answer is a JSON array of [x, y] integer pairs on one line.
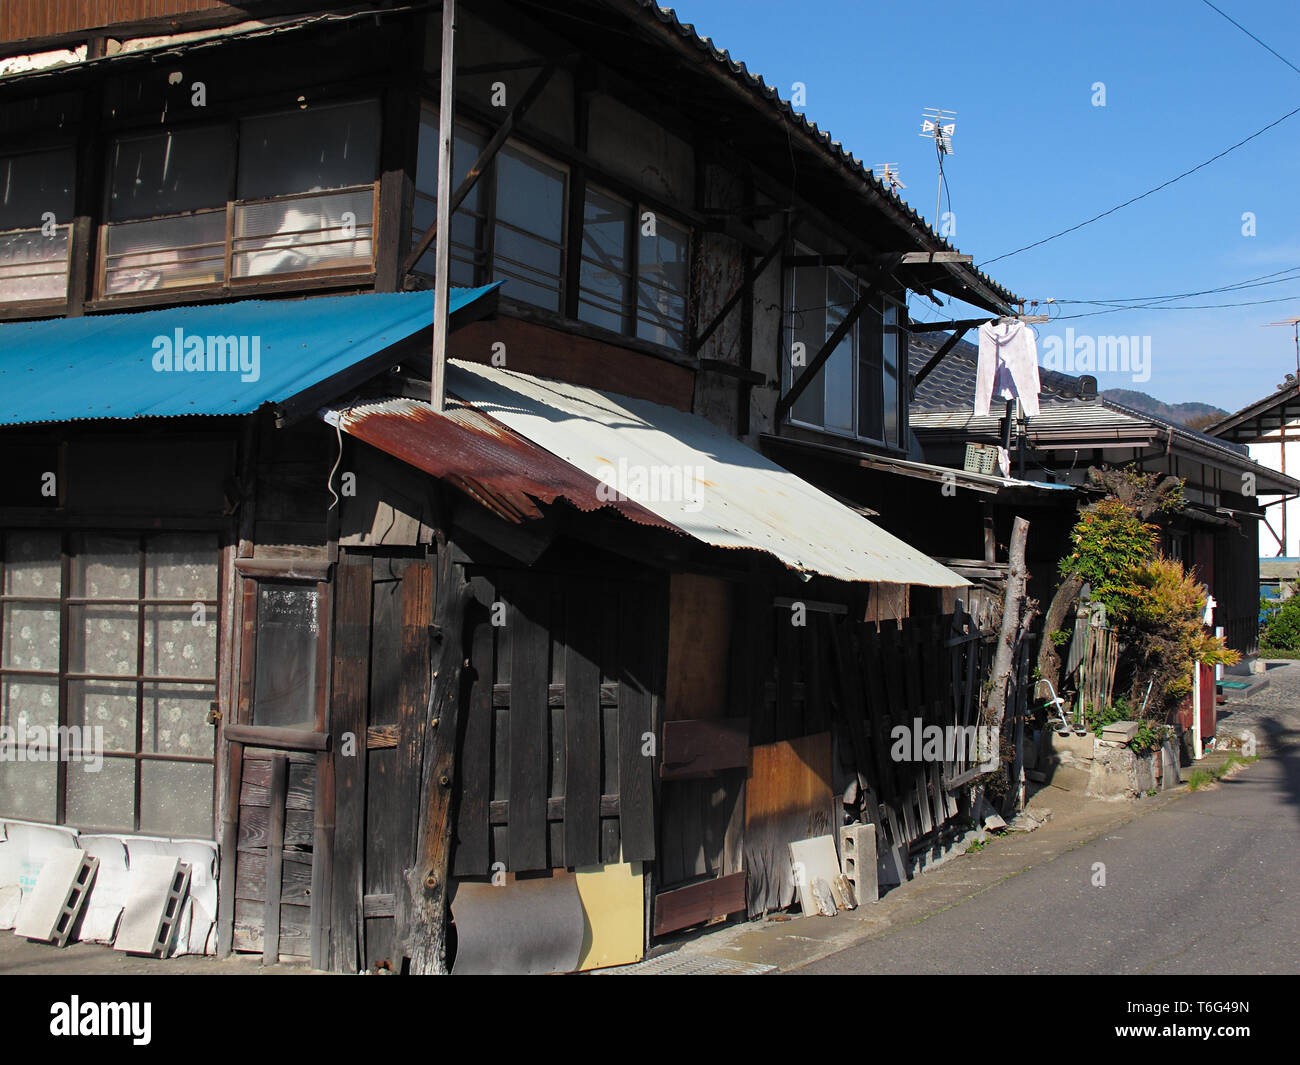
[[1032, 155]]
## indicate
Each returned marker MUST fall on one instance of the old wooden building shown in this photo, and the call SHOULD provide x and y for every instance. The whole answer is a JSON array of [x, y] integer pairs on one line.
[[560, 640]]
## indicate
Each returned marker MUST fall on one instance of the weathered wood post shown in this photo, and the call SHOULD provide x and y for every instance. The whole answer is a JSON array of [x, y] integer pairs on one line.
[[425, 923], [1015, 619]]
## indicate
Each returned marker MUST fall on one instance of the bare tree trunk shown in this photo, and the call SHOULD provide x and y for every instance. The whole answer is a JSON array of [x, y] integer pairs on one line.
[[1049, 659], [426, 910], [1004, 657]]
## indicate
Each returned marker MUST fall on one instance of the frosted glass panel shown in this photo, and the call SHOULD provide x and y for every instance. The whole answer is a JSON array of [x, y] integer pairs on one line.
[[31, 637], [104, 799], [176, 720], [104, 639], [176, 799], [29, 701], [32, 564], [288, 627], [34, 266], [290, 236], [105, 704], [181, 566], [28, 790], [165, 253]]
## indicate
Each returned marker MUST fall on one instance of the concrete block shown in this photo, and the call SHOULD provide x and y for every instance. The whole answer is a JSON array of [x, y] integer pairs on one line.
[[858, 850], [50, 910], [1120, 731], [156, 887]]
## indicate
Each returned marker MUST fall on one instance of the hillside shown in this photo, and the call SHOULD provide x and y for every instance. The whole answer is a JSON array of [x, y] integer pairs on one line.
[[1194, 414]]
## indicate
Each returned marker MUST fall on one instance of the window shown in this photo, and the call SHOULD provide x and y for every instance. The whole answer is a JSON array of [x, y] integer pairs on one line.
[[288, 641], [858, 392], [36, 205], [511, 226], [610, 275], [108, 666], [281, 194]]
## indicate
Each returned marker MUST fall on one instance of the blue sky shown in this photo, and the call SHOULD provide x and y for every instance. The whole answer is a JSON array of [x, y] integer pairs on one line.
[[1033, 155]]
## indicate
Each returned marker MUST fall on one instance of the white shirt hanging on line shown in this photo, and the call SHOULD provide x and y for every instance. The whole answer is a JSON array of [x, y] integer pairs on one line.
[[1007, 367]]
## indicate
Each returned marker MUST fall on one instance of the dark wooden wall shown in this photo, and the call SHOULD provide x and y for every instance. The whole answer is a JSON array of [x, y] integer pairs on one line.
[[558, 758]]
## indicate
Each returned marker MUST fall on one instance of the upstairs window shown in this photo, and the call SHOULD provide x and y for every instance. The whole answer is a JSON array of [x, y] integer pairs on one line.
[[511, 226], [858, 392], [36, 208], [274, 195], [633, 273]]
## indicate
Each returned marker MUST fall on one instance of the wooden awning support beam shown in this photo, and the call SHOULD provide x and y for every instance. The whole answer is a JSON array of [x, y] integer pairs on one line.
[[819, 360], [494, 144], [768, 256], [938, 356]]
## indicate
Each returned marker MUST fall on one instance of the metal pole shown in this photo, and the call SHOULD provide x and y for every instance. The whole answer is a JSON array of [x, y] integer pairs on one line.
[[442, 245]]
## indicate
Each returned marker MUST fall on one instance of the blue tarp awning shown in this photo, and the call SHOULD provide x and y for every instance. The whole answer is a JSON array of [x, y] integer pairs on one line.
[[228, 358]]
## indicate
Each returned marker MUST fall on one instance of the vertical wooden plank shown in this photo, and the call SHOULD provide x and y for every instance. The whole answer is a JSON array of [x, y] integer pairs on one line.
[[413, 700], [499, 839], [275, 859], [641, 641], [582, 726], [472, 832], [611, 623], [348, 729], [529, 726], [555, 715]]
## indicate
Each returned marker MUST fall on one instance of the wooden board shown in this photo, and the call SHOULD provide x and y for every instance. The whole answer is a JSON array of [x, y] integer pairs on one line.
[[787, 798], [696, 903], [699, 639], [613, 905]]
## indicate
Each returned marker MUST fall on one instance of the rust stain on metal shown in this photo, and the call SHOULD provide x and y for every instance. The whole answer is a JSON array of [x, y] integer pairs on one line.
[[490, 463]]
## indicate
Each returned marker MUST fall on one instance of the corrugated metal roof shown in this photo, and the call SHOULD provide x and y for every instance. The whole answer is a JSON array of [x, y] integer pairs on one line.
[[490, 463], [694, 476], [106, 366]]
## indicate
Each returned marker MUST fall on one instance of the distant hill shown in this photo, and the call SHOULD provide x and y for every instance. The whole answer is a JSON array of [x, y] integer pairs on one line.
[[1195, 415]]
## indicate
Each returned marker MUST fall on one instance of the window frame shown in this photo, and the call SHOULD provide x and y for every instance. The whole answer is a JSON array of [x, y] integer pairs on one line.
[[880, 305], [228, 281], [66, 228], [65, 676]]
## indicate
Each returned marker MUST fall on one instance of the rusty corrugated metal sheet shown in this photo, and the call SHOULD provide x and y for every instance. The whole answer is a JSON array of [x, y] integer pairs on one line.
[[491, 464]]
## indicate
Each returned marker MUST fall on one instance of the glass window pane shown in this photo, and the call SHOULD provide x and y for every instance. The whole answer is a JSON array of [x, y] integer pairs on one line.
[[176, 799], [180, 642], [605, 281], [528, 241], [288, 627], [291, 236], [165, 253], [34, 264], [31, 637], [889, 359], [103, 799], [327, 147], [103, 639], [167, 173], [29, 702], [181, 566], [838, 374], [28, 790], [808, 328], [870, 376], [176, 720], [34, 184], [661, 283], [106, 704], [467, 224], [32, 564]]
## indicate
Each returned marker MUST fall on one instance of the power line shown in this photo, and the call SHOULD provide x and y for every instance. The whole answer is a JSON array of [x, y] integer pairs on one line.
[[1149, 192], [1292, 272], [1251, 35]]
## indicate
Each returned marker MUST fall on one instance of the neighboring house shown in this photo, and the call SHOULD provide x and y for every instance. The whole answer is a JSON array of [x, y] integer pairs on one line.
[[1217, 532], [234, 527], [1270, 430]]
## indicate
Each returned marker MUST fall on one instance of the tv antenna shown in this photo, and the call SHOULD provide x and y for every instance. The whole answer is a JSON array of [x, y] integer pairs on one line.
[[1294, 323], [890, 176], [939, 125]]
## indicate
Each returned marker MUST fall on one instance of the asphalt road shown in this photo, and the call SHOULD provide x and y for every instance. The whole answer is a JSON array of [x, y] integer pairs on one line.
[[1208, 884]]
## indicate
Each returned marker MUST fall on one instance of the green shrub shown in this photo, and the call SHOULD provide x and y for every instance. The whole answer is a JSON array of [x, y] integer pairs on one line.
[[1282, 629]]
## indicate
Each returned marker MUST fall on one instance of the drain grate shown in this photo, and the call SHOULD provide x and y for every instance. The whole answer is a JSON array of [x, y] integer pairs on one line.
[[676, 964]]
